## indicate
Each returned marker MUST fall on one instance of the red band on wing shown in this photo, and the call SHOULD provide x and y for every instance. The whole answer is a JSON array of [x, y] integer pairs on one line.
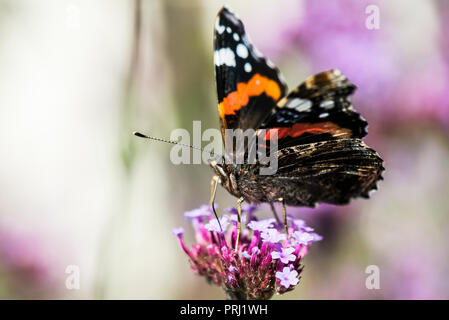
[[300, 128], [257, 85]]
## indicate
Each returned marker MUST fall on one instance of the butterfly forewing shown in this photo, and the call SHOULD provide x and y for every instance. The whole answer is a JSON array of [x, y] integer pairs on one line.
[[248, 85]]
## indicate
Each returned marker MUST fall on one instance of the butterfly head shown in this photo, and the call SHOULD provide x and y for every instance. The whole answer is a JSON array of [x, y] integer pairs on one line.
[[227, 177]]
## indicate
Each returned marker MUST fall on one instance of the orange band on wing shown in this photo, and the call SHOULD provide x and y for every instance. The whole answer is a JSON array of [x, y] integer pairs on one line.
[[300, 128], [257, 85]]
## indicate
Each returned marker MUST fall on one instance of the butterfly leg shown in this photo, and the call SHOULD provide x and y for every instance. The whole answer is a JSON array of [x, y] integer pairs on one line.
[[213, 191], [284, 212], [239, 225], [274, 212]]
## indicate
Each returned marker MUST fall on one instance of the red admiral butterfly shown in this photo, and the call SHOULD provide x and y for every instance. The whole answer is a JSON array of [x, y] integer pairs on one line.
[[321, 157]]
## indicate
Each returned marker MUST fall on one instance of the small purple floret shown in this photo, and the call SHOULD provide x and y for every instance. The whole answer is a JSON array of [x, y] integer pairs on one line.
[[303, 237], [288, 277], [178, 231], [214, 226], [202, 212], [286, 255], [273, 235], [261, 225]]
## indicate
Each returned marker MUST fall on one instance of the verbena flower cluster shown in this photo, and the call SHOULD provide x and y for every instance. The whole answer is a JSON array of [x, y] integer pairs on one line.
[[266, 261]]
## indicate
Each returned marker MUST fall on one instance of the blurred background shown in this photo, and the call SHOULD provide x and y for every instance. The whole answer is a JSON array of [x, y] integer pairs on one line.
[[78, 189]]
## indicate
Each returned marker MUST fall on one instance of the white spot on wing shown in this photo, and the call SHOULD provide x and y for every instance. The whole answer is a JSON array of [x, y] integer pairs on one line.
[[300, 105], [327, 104], [228, 30], [224, 56], [220, 29], [323, 115], [242, 51], [236, 37], [248, 67]]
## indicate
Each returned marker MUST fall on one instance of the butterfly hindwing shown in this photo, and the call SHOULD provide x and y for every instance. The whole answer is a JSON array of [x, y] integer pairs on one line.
[[332, 171], [248, 85], [318, 109]]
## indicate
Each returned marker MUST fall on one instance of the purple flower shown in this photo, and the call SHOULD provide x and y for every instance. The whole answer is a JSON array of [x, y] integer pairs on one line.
[[286, 255], [304, 237], [272, 235], [249, 271], [232, 210], [307, 229], [178, 231], [234, 218], [301, 225], [261, 225], [249, 209], [213, 224], [198, 213], [316, 237], [288, 277]]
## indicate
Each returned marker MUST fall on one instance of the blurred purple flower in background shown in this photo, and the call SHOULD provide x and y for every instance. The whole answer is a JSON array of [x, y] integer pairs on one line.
[[28, 263], [333, 35], [253, 270]]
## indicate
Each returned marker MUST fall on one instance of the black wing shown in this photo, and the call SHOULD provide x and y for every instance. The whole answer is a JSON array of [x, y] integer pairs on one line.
[[248, 85]]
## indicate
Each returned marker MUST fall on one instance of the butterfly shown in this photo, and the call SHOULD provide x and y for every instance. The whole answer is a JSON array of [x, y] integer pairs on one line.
[[320, 152]]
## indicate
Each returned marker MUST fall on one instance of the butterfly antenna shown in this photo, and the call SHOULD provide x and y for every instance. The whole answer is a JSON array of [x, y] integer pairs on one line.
[[141, 135]]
